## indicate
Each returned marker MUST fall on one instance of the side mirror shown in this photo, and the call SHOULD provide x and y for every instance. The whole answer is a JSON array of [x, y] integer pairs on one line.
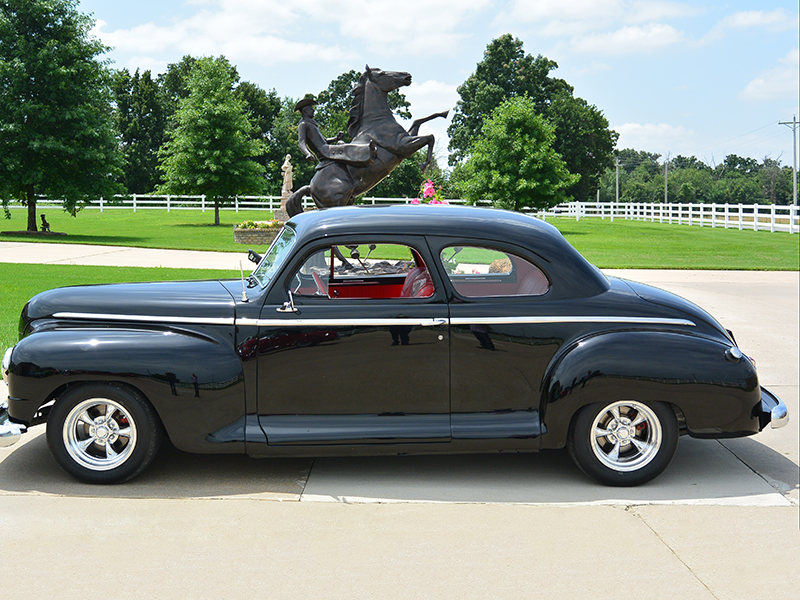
[[253, 256]]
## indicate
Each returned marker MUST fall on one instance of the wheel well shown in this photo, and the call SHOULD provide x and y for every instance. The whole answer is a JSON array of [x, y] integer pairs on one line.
[[44, 409]]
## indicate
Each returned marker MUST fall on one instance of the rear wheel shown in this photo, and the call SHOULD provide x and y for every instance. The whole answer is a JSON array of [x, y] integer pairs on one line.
[[103, 433], [623, 443]]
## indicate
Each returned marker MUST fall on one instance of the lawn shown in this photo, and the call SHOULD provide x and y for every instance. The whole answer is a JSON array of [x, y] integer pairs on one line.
[[22, 281], [621, 244]]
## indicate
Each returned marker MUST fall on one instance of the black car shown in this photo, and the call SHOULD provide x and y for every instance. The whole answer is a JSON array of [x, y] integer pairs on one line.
[[391, 330]]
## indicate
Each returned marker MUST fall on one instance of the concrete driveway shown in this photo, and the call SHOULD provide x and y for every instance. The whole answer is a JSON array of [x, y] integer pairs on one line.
[[721, 522]]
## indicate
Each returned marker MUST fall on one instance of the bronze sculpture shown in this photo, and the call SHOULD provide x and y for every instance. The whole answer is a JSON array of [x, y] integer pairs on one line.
[[379, 144]]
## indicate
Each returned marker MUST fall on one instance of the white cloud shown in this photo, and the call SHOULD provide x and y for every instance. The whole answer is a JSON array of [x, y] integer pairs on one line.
[[781, 82], [564, 17], [430, 97], [652, 136], [776, 20], [629, 40]]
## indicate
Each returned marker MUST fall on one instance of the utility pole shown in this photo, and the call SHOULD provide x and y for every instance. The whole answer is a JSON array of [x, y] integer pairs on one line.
[[793, 124], [616, 164], [666, 162]]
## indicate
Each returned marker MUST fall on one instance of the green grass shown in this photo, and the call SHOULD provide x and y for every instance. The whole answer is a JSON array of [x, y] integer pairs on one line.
[[178, 229], [22, 281], [621, 244], [644, 245]]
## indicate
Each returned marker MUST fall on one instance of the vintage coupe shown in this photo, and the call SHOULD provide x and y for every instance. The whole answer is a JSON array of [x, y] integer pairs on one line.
[[392, 330]]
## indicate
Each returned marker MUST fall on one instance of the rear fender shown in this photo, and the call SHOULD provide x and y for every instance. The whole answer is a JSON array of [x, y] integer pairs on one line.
[[715, 395]]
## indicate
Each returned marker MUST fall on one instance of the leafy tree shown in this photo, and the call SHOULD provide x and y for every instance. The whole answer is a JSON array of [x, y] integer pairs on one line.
[[173, 83], [211, 149], [56, 129], [141, 120], [513, 162], [582, 135], [583, 139], [262, 108]]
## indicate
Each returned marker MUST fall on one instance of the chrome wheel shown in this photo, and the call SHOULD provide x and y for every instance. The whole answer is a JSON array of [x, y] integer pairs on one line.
[[99, 434], [626, 436]]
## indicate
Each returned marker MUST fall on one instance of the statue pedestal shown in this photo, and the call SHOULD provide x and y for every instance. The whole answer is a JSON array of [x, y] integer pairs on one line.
[[281, 214]]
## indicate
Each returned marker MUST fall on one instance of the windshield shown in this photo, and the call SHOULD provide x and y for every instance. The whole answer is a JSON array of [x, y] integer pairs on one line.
[[275, 256]]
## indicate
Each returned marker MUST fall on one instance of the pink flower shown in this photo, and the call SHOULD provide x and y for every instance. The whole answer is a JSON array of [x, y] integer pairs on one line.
[[415, 201], [428, 191]]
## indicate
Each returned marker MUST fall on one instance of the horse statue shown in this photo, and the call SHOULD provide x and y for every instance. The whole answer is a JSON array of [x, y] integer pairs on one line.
[[371, 124]]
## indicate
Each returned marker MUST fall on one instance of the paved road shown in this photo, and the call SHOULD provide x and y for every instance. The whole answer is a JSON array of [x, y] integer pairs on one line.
[[722, 522]]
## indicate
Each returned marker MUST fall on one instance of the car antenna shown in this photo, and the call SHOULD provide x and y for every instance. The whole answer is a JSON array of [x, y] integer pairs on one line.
[[244, 293]]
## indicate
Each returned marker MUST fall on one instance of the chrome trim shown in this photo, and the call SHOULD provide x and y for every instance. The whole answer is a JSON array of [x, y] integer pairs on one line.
[[375, 322], [294, 322], [9, 432], [146, 318], [567, 319], [779, 414], [7, 363]]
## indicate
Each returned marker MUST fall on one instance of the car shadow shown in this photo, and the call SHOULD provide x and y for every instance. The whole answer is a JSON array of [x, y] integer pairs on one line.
[[29, 468], [703, 472]]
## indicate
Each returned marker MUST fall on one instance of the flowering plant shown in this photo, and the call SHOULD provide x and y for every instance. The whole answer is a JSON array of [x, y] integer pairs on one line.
[[273, 224], [430, 194]]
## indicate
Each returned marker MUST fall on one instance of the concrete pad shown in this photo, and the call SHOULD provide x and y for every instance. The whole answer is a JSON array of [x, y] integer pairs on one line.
[[703, 472], [27, 468], [68, 547], [736, 552]]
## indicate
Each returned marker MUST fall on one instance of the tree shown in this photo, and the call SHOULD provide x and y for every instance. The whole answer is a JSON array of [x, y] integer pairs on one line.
[[261, 108], [582, 135], [141, 121], [211, 149], [513, 162], [56, 128]]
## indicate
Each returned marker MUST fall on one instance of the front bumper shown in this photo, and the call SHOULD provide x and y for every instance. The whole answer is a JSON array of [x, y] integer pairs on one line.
[[773, 410], [9, 432]]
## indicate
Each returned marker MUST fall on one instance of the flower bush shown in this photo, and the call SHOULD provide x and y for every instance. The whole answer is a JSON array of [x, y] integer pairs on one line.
[[430, 194], [273, 224]]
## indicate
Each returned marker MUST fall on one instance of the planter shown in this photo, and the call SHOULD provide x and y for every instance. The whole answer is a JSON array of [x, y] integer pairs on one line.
[[255, 237]]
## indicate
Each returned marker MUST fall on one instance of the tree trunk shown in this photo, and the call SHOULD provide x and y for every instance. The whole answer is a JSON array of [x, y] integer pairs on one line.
[[31, 199], [216, 211]]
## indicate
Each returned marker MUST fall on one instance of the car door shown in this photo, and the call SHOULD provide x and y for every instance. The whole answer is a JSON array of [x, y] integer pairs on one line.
[[500, 347], [359, 353]]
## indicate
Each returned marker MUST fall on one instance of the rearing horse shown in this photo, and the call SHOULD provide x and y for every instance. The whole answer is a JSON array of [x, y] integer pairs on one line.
[[336, 183]]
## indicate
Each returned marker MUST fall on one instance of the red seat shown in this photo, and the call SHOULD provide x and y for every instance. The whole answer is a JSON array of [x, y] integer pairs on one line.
[[418, 284]]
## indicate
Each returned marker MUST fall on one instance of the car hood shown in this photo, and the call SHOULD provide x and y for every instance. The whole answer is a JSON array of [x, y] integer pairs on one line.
[[675, 302], [180, 299]]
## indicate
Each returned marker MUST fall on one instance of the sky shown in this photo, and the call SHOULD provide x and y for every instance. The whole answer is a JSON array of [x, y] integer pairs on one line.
[[706, 78]]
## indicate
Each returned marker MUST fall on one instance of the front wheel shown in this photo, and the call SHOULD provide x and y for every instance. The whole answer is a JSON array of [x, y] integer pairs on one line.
[[623, 443], [103, 433]]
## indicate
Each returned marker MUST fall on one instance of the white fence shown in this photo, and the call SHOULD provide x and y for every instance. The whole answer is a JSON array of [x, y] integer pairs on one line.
[[759, 217]]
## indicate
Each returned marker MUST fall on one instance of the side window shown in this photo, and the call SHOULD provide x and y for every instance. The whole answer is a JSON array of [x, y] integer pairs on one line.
[[477, 272], [379, 271]]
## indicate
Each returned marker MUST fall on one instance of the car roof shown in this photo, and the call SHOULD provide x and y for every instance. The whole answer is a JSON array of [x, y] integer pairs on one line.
[[463, 222]]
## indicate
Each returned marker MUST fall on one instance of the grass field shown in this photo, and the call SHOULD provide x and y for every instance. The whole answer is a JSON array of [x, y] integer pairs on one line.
[[621, 244], [22, 281]]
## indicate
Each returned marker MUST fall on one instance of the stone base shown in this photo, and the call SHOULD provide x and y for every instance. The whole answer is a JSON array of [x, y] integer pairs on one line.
[[254, 237], [281, 215]]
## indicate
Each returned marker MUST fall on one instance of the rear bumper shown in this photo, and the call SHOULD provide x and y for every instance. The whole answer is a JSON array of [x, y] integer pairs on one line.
[[773, 410], [9, 432]]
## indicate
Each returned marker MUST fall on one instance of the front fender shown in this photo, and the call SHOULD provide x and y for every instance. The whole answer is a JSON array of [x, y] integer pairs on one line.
[[194, 382], [716, 395]]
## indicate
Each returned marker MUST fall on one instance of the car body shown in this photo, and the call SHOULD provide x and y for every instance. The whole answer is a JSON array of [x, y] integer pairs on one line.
[[384, 330]]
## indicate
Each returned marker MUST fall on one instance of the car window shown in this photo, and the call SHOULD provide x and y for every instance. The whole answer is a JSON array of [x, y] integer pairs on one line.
[[275, 256], [477, 272], [378, 271]]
